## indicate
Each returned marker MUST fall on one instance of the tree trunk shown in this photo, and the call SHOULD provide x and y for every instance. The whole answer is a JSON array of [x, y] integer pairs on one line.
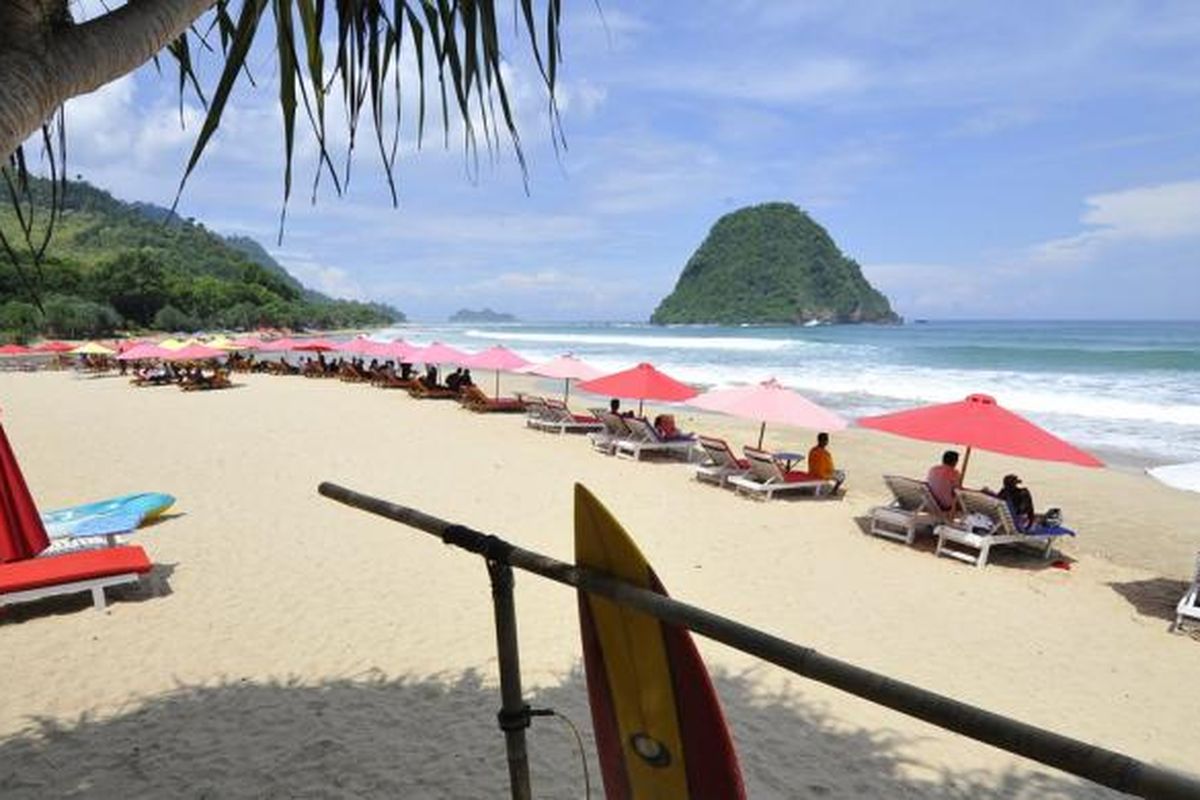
[[45, 59]]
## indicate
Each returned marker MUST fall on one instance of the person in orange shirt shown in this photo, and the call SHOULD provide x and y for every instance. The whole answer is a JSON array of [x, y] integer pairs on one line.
[[820, 463]]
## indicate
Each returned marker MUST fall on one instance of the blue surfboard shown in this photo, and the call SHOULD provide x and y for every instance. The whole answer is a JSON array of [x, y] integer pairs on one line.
[[104, 517]]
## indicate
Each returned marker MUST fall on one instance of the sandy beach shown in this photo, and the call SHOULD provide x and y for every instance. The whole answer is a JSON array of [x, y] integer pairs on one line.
[[287, 646]]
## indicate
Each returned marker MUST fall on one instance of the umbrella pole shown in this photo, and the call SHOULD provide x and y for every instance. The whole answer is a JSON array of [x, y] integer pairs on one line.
[[640, 408], [762, 428], [966, 463], [566, 389], [497, 384], [514, 713]]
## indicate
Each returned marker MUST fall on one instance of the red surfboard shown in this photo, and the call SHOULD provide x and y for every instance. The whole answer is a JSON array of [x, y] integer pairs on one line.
[[659, 728]]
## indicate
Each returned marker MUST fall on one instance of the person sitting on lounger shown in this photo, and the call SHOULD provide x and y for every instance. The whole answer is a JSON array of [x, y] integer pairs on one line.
[[820, 463], [664, 425], [614, 406], [431, 377], [944, 478], [1019, 501]]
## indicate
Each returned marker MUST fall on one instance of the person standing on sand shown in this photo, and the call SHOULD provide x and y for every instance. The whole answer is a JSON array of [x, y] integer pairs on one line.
[[944, 479], [820, 463]]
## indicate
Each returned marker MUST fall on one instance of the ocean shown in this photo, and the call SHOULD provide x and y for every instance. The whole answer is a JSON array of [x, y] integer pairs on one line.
[[1127, 391]]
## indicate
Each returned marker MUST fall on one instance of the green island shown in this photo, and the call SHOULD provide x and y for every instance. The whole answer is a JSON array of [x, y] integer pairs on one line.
[[114, 266], [483, 315], [771, 264]]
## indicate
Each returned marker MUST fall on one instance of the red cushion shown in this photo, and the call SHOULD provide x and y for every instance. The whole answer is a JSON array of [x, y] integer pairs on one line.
[[742, 463], [797, 476], [32, 573]]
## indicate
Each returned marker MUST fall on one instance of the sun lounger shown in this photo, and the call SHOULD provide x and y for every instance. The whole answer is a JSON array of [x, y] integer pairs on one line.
[[473, 399], [555, 417], [71, 573], [913, 507], [535, 409], [615, 428], [1188, 610], [644, 438], [422, 392], [767, 478], [986, 522], [722, 464]]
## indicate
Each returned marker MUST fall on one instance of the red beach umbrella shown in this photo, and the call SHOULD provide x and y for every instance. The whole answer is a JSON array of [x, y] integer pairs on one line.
[[195, 352], [496, 358], [54, 347], [279, 345], [567, 367], [14, 350], [316, 346], [22, 534], [979, 421], [640, 383], [770, 401]]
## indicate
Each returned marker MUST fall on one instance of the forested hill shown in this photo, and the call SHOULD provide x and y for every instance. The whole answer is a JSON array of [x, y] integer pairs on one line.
[[771, 263], [115, 265]]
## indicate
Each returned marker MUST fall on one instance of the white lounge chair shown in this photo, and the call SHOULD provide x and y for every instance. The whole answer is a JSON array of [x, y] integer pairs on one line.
[[557, 418], [722, 464], [913, 507], [1188, 610], [767, 478], [605, 441], [535, 410], [643, 438], [973, 544]]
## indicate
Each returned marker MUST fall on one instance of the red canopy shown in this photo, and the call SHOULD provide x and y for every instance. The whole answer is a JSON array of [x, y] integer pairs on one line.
[[54, 347], [22, 534], [642, 382], [13, 350], [979, 421], [316, 345]]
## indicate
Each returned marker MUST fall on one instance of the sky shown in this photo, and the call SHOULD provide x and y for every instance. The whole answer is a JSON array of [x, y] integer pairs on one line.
[[977, 159]]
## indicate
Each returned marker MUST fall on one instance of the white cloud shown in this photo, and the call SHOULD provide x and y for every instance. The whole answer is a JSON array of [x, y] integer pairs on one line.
[[1145, 214], [333, 281]]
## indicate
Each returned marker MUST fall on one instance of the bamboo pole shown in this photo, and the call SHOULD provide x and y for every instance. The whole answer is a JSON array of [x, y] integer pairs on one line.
[[1099, 765]]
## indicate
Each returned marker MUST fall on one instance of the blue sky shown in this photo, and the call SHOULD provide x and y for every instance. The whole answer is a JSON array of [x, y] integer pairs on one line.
[[978, 159]]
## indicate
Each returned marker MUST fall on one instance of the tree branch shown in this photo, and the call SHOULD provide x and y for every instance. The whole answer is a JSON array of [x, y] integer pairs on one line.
[[43, 64]]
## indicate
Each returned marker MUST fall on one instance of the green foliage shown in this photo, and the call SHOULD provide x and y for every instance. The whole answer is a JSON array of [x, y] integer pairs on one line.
[[112, 264], [71, 317], [18, 321], [771, 264]]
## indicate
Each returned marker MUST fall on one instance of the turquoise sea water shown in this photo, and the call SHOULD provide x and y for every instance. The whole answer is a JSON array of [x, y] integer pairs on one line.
[[1128, 390]]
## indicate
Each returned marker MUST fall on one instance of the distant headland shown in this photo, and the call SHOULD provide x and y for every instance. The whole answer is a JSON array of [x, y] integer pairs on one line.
[[771, 264], [483, 315]]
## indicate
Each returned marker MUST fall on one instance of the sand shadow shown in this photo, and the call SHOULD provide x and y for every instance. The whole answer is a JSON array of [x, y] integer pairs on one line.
[[151, 586], [1155, 598], [371, 736]]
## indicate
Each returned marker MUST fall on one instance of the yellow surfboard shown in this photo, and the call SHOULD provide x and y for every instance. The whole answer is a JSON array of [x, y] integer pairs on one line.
[[659, 728]]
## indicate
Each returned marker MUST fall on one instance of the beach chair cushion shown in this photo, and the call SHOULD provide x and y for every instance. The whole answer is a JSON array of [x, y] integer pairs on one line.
[[83, 565]]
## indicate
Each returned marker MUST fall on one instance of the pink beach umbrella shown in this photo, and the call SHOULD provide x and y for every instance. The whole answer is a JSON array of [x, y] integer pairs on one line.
[[567, 367], [640, 383], [143, 351], [14, 350], [194, 352], [359, 346], [438, 353], [400, 350], [770, 401], [496, 358]]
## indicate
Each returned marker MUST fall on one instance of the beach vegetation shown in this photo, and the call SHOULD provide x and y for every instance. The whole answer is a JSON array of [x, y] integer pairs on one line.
[[133, 265], [771, 264]]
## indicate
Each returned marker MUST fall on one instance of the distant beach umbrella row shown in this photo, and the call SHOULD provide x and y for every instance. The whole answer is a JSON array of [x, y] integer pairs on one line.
[[975, 422]]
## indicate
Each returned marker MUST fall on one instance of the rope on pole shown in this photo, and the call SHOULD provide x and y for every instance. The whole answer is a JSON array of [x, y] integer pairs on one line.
[[1099, 765]]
